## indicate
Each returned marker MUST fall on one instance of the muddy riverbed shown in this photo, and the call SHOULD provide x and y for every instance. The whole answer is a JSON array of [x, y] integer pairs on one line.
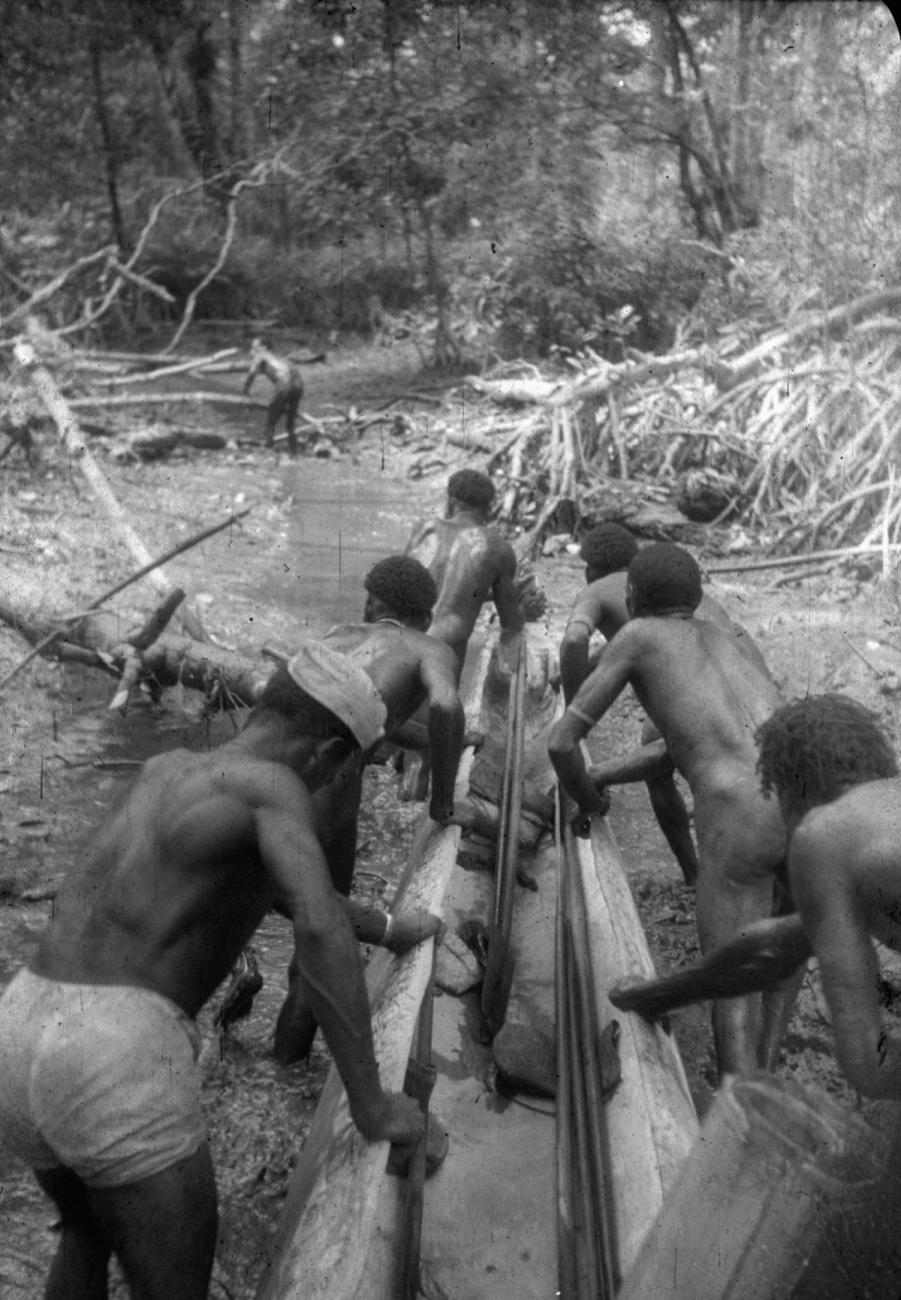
[[297, 563]]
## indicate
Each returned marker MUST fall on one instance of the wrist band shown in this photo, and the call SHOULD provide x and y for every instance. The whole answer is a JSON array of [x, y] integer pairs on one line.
[[389, 928]]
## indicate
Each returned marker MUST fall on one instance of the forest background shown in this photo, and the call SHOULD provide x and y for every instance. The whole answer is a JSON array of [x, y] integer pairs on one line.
[[582, 185], [537, 176]]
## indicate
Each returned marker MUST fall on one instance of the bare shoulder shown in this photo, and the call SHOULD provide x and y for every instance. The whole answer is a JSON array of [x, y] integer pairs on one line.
[[433, 651], [820, 851], [422, 529], [238, 779], [262, 783], [500, 547]]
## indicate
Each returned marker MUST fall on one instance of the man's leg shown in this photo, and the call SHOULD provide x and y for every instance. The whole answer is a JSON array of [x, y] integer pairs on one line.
[[274, 413], [296, 1026], [80, 1269], [779, 1002], [163, 1229], [292, 402], [672, 818], [724, 910]]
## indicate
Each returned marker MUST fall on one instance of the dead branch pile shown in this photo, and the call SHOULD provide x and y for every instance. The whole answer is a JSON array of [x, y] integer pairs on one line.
[[798, 435]]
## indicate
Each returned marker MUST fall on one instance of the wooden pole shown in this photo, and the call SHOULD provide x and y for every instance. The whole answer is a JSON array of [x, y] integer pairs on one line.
[[499, 969], [790, 561]]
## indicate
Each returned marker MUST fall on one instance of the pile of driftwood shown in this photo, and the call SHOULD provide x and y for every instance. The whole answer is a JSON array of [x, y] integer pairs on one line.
[[797, 435]]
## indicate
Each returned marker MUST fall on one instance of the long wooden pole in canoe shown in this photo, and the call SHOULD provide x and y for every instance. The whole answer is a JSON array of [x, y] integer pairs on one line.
[[651, 1119], [324, 1236], [499, 967]]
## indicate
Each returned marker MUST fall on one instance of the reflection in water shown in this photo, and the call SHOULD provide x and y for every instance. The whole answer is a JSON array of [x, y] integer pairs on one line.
[[342, 521]]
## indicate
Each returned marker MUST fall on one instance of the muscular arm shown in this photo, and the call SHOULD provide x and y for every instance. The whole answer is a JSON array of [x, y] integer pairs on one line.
[[252, 373], [574, 664], [835, 919], [506, 601], [642, 764], [764, 955], [325, 948], [446, 727], [592, 701]]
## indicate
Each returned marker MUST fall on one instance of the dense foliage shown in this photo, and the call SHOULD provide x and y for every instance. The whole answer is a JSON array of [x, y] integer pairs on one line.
[[535, 176]]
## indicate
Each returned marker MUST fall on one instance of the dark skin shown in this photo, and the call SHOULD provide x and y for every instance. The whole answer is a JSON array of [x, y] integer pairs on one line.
[[287, 391], [408, 669], [602, 607], [470, 563], [844, 868], [164, 898], [706, 697]]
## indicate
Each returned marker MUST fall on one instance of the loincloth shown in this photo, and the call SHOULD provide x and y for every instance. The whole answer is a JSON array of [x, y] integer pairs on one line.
[[99, 1078]]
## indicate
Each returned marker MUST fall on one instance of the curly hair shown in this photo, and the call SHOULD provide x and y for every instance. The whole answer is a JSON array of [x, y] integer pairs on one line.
[[819, 745], [608, 548], [405, 586], [664, 576], [283, 696], [471, 487]]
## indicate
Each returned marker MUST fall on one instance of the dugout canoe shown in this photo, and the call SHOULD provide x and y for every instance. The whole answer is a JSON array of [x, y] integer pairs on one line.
[[490, 1213]]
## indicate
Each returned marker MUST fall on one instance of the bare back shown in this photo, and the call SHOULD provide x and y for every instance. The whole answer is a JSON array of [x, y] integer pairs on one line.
[[703, 693], [602, 605], [402, 663], [470, 564], [173, 885]]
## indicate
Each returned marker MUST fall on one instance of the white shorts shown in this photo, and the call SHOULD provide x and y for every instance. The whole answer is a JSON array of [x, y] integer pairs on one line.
[[101, 1079]]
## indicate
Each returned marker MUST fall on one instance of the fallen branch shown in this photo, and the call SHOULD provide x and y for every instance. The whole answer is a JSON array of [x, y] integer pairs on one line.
[[788, 561], [110, 592], [599, 382], [514, 392], [833, 323], [53, 286], [75, 445], [227, 678], [195, 363], [162, 399]]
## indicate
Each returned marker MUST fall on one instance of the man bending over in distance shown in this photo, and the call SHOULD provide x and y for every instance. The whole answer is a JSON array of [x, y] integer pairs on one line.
[[99, 1090], [706, 696], [287, 391], [608, 551]]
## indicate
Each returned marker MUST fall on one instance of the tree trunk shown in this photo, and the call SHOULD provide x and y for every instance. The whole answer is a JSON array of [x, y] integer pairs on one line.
[[169, 661], [109, 148], [236, 79]]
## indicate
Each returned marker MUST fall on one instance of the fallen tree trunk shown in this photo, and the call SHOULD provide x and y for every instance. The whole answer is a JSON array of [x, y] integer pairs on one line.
[[75, 445], [164, 399], [226, 678], [163, 372], [833, 323]]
